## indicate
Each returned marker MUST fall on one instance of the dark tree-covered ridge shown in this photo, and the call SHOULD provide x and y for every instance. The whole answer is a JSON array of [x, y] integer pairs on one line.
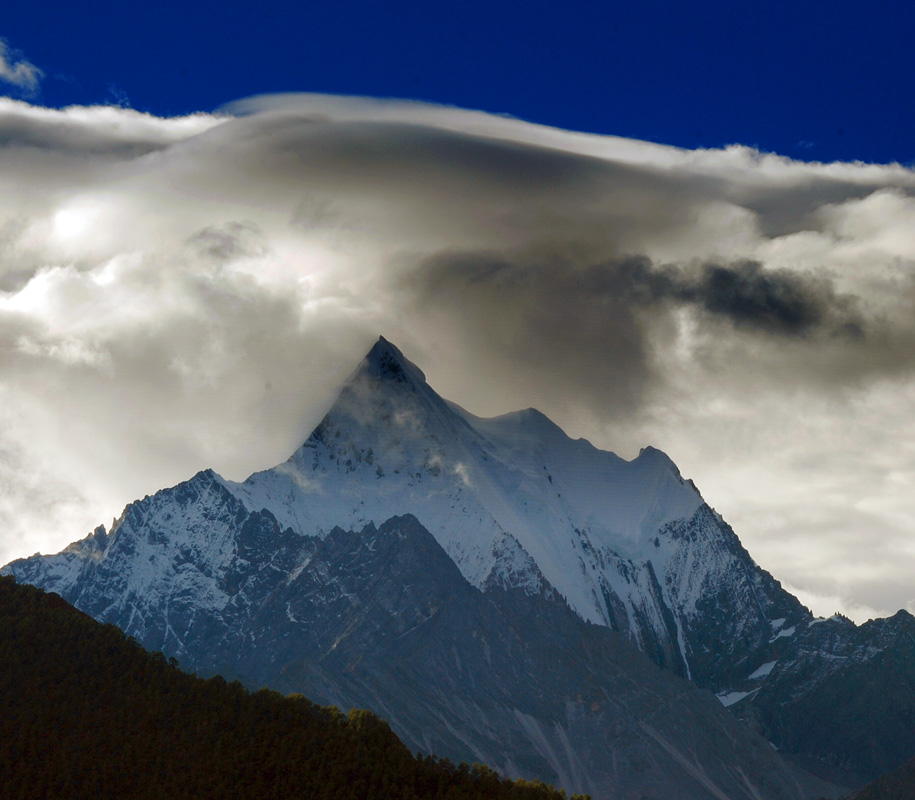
[[898, 785], [85, 712]]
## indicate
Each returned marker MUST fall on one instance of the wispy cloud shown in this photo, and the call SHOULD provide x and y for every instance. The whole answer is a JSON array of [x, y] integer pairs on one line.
[[18, 72], [181, 293]]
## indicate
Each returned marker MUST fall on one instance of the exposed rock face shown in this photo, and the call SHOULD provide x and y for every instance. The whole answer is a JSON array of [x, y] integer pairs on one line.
[[842, 697], [525, 539], [383, 618], [514, 501]]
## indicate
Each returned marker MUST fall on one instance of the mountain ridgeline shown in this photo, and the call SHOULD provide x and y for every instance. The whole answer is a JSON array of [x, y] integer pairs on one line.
[[486, 585], [87, 713]]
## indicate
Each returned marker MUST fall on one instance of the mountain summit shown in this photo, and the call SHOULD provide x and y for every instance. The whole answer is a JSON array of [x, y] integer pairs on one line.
[[384, 359], [485, 584], [516, 503]]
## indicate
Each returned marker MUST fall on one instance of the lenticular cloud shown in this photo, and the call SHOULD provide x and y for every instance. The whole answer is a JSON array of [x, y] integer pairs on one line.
[[188, 292]]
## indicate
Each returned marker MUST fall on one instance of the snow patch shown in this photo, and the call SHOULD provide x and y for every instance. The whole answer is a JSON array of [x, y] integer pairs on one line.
[[784, 633], [763, 671], [729, 698]]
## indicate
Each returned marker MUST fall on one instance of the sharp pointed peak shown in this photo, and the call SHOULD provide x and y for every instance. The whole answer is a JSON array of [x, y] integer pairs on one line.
[[387, 397], [657, 458], [650, 452], [386, 361], [382, 349]]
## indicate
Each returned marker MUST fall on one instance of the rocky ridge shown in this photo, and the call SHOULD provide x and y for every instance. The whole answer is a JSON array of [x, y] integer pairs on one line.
[[522, 514]]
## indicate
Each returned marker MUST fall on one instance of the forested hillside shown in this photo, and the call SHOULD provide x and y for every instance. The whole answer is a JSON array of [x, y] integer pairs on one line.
[[86, 712], [898, 785]]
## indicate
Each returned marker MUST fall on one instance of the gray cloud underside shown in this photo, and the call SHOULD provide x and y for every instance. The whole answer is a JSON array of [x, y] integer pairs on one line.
[[189, 292], [598, 326]]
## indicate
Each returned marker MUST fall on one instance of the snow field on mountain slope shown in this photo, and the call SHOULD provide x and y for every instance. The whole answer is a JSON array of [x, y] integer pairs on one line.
[[510, 499], [472, 481], [161, 547]]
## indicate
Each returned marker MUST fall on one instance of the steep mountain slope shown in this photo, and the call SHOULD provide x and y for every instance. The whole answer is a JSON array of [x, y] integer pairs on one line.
[[629, 545], [842, 697], [384, 619], [520, 509], [513, 501], [67, 683]]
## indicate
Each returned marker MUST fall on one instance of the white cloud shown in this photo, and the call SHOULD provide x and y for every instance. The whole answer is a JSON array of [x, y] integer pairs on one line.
[[18, 72], [184, 293], [825, 605]]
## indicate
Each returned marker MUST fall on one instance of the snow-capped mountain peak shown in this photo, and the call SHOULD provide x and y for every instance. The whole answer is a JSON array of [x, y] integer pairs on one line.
[[343, 538], [514, 502], [385, 361]]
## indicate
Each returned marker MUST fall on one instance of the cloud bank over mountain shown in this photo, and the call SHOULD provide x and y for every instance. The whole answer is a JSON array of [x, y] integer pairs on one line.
[[189, 292]]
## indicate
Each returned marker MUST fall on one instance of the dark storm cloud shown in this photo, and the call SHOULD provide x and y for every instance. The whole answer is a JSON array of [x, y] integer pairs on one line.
[[571, 329], [777, 302], [598, 328]]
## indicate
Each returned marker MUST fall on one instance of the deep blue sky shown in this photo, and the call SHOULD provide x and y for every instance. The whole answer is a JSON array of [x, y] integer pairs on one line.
[[814, 80]]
